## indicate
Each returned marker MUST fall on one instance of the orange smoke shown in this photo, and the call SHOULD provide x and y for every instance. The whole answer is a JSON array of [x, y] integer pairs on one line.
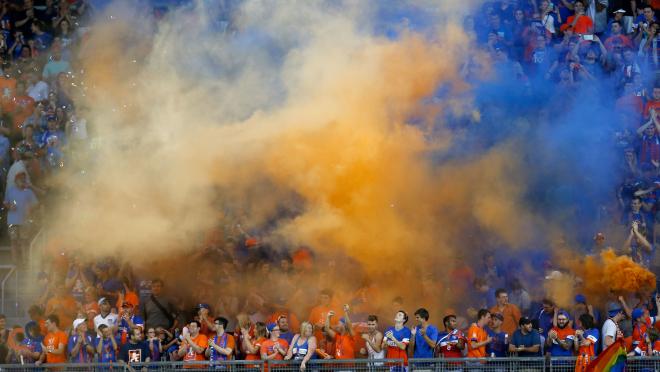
[[609, 274]]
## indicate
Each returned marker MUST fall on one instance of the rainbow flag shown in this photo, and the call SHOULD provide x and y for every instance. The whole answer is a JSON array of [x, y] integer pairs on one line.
[[612, 359]]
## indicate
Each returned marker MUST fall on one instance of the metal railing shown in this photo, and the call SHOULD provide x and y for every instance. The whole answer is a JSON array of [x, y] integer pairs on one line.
[[37, 243], [3, 285], [511, 364]]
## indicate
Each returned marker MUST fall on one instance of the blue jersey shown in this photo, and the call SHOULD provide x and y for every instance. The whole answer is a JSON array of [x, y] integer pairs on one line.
[[82, 356], [108, 353], [422, 348], [500, 344]]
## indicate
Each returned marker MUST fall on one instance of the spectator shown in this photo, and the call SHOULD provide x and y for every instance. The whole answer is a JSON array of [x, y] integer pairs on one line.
[[158, 311], [509, 311], [205, 319], [342, 335], [477, 336], [303, 346], [640, 336], [63, 305], [318, 313], [638, 247], [106, 317], [55, 66], [581, 305], [498, 347], [274, 348], [550, 19], [36, 88], [561, 337], [21, 201], [55, 343], [221, 346], [135, 350], [397, 338], [106, 346], [31, 344], [650, 142], [526, 341], [128, 321], [251, 346], [285, 332], [42, 39], [545, 317], [586, 338], [611, 330], [373, 340], [155, 345], [193, 345], [519, 296], [424, 336], [452, 340], [579, 22], [647, 16], [617, 39], [81, 349]]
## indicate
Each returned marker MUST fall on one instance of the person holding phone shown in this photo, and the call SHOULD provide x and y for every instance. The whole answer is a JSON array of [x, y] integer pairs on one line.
[[579, 22]]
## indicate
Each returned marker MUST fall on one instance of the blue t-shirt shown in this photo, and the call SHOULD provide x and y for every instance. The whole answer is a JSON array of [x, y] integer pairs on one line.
[[528, 340], [545, 322], [23, 199], [82, 356], [422, 348], [499, 346], [288, 336], [108, 353]]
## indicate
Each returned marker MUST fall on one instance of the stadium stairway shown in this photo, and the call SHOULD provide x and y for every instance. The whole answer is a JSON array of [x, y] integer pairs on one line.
[[16, 292]]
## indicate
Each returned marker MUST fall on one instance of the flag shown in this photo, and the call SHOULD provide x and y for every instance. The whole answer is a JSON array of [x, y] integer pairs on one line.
[[612, 359]]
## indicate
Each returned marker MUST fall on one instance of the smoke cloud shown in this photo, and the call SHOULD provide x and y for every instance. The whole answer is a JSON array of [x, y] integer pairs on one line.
[[303, 122]]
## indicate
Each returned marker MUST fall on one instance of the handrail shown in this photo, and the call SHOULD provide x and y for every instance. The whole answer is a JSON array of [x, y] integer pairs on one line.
[[31, 248], [12, 270]]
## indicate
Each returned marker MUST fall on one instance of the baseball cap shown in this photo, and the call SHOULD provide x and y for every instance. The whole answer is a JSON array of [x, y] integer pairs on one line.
[[637, 313], [580, 299], [271, 326], [618, 11], [78, 322], [524, 321], [613, 308], [203, 306], [102, 300], [498, 316]]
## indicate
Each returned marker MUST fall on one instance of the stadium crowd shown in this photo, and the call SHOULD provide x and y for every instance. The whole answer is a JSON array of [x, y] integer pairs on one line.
[[107, 310]]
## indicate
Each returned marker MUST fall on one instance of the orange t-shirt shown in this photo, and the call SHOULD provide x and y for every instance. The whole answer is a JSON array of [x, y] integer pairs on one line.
[[65, 307], [651, 105], [257, 344], [51, 342], [511, 315], [20, 108], [344, 346], [7, 91], [201, 341], [317, 316], [584, 25], [476, 334], [267, 347]]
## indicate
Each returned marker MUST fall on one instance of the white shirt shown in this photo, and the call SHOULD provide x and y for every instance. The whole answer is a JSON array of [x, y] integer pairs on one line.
[[609, 329], [17, 167], [38, 91], [110, 320]]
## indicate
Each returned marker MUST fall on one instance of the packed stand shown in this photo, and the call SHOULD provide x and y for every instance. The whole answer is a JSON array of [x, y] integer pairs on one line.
[[110, 312]]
